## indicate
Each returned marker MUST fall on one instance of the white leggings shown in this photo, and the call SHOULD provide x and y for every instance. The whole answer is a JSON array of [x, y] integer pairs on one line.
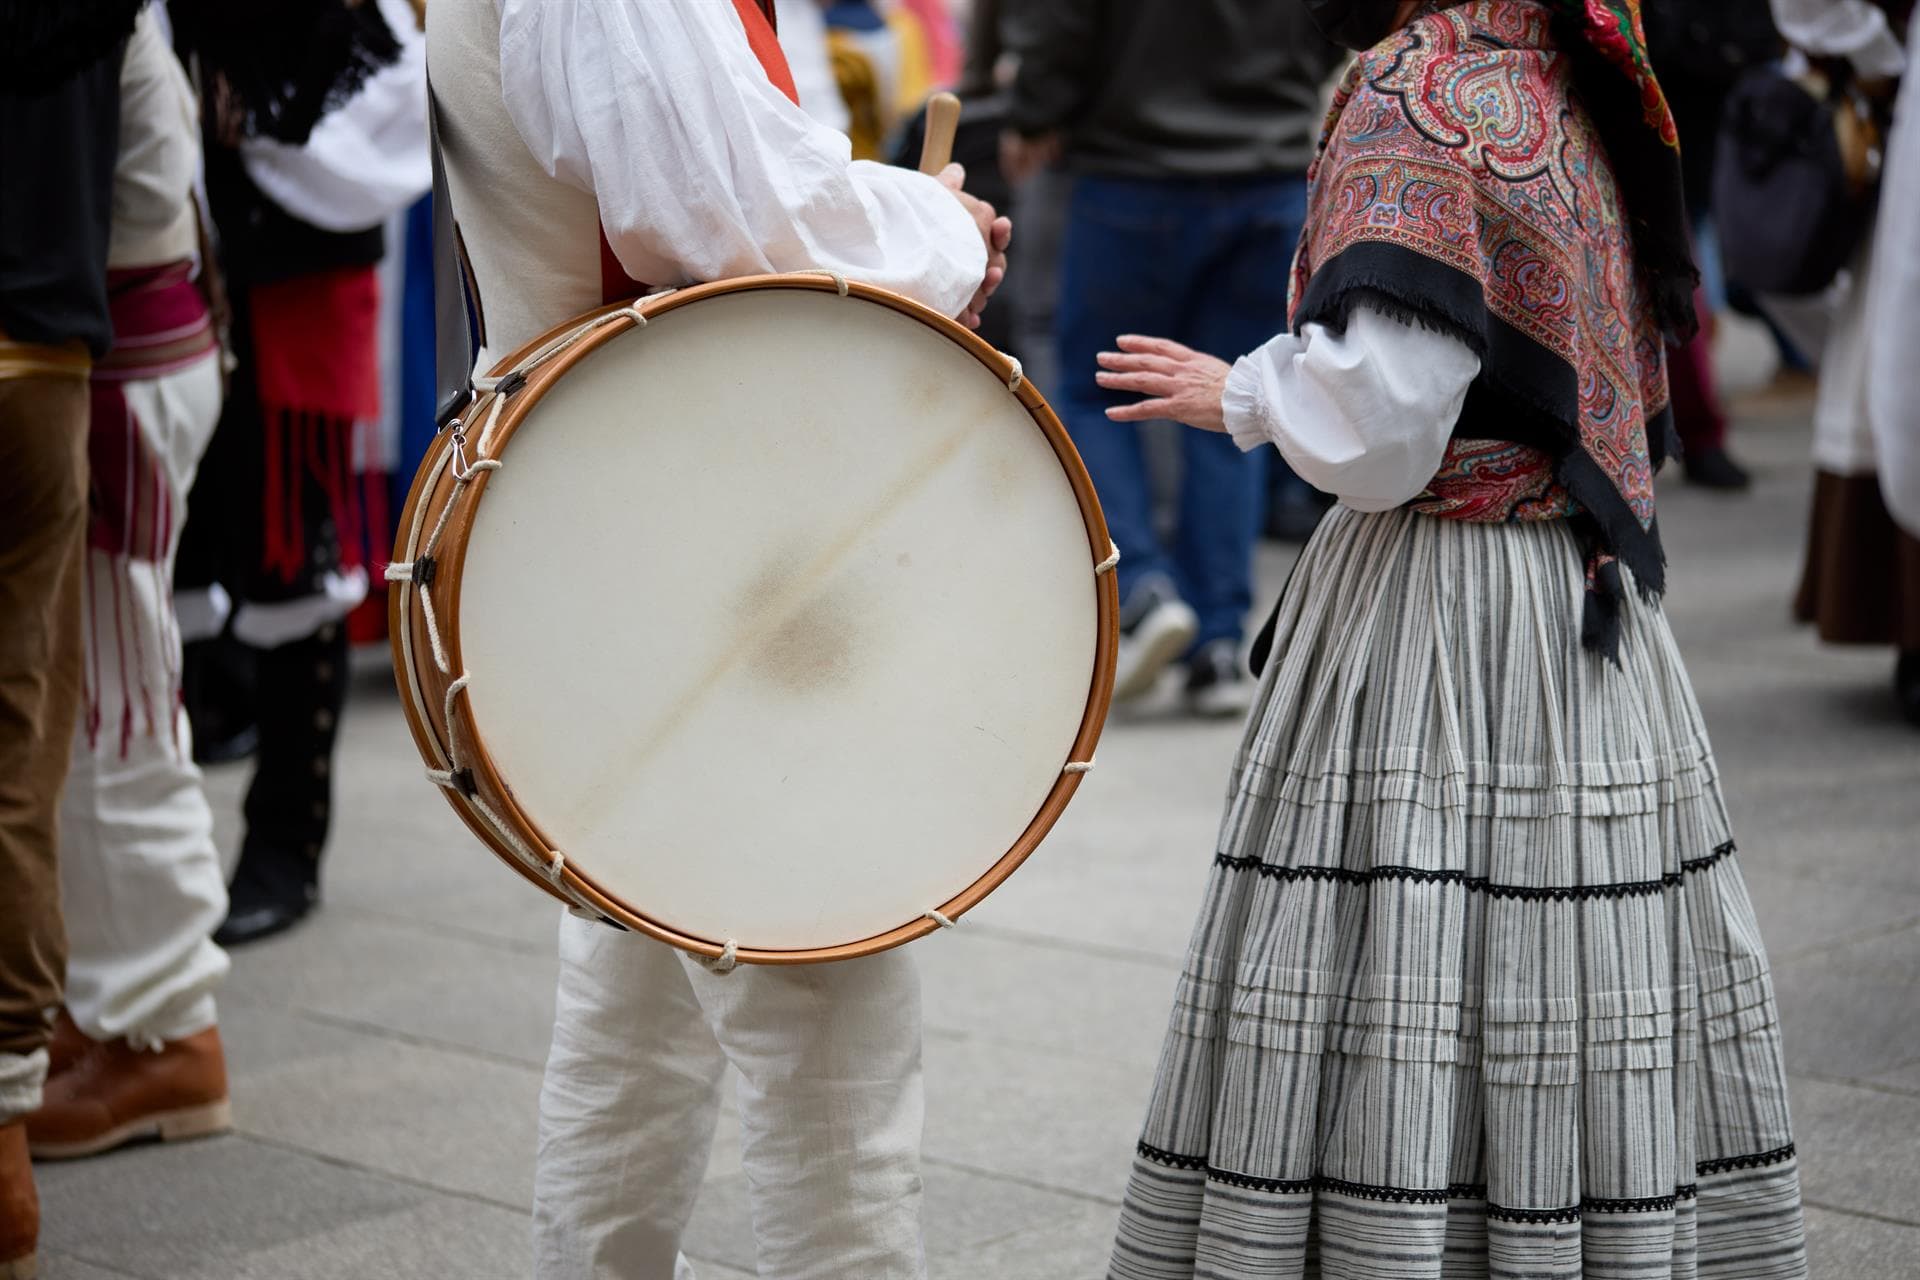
[[831, 1109]]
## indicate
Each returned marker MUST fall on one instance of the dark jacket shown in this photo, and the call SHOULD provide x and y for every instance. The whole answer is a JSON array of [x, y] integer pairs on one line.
[[1172, 88], [57, 152]]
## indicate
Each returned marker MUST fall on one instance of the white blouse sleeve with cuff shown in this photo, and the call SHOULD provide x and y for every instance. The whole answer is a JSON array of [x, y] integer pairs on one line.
[[1856, 30], [1364, 415], [368, 158], [703, 170]]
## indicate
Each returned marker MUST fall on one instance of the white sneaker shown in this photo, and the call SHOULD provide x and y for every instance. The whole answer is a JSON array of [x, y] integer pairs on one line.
[[1152, 641], [1217, 685]]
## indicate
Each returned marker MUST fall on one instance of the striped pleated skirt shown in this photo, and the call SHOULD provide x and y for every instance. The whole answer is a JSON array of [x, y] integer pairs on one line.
[[1476, 989]]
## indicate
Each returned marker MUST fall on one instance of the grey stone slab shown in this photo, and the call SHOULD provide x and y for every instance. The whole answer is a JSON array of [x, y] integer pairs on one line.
[[59, 1266], [706, 1269], [1802, 918], [1905, 1077], [967, 1212], [1040, 995], [1842, 1245], [1857, 1148], [1853, 1013], [454, 1121], [1850, 822], [409, 857], [437, 1239], [191, 1209], [964, 1213], [1050, 1119], [1126, 865], [1073, 1246], [416, 981]]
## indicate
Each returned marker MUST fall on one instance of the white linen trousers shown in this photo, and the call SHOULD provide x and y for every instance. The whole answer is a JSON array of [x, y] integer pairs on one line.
[[140, 879], [831, 1110]]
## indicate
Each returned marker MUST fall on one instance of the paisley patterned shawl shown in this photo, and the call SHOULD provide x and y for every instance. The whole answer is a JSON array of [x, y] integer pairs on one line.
[[1462, 185]]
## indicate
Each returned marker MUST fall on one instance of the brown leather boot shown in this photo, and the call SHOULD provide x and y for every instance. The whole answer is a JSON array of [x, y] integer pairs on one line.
[[19, 1206], [117, 1093], [67, 1045]]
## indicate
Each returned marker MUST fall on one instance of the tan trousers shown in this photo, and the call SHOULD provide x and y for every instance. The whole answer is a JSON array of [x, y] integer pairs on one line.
[[43, 525]]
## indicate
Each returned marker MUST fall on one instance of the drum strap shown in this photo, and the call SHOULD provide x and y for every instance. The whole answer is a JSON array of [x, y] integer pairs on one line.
[[453, 332], [454, 286]]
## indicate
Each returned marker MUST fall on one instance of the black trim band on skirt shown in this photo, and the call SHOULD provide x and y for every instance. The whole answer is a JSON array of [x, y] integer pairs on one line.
[[1463, 1191], [1476, 884]]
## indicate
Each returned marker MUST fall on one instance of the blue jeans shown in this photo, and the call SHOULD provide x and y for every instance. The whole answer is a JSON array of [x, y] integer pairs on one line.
[[1204, 262]]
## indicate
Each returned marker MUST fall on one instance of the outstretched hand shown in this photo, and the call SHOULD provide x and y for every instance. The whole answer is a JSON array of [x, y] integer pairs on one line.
[[1179, 382], [996, 233]]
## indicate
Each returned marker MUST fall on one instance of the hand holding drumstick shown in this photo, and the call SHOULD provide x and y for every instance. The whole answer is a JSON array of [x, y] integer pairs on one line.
[[996, 232]]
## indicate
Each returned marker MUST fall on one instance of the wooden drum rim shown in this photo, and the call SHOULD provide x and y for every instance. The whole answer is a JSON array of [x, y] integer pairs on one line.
[[423, 686]]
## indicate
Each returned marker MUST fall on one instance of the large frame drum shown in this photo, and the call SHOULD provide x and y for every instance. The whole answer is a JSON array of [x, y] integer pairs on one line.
[[771, 618]]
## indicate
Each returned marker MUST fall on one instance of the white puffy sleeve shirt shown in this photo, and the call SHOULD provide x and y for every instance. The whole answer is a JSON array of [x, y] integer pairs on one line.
[[1364, 415], [702, 169], [367, 159]]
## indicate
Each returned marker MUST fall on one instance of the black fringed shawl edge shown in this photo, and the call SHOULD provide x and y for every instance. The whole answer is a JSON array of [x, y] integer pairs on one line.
[[1524, 393], [289, 62]]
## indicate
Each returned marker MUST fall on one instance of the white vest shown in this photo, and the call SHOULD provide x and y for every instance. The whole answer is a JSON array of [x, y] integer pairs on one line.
[[534, 241]]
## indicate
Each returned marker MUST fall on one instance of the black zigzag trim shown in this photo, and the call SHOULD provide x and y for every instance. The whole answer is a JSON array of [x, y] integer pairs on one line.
[[1499, 1213], [1462, 1191], [1759, 1160], [1645, 1204], [1172, 1160], [1394, 1195], [1273, 1186], [1475, 884], [1305, 1186], [1701, 864]]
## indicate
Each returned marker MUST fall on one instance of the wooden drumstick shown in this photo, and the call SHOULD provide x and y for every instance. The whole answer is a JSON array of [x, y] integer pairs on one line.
[[943, 119]]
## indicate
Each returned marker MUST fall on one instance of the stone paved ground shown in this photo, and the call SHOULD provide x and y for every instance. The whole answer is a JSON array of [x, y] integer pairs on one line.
[[386, 1057]]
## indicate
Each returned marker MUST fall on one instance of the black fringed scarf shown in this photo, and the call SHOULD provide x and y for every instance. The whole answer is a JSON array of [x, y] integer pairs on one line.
[[1505, 171], [272, 70]]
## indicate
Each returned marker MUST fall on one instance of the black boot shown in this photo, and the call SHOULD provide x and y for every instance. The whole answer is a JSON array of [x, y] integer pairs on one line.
[[216, 684], [1715, 469], [301, 688], [1906, 684]]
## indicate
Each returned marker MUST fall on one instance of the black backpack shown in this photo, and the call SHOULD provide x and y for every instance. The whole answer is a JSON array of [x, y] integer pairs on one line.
[[1792, 204]]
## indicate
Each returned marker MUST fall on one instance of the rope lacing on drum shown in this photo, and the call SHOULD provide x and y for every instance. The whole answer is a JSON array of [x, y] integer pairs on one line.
[[463, 472], [942, 919], [725, 962], [1105, 566], [1016, 372], [459, 778]]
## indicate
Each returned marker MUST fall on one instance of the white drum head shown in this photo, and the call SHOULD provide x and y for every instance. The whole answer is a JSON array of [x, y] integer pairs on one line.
[[780, 618]]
